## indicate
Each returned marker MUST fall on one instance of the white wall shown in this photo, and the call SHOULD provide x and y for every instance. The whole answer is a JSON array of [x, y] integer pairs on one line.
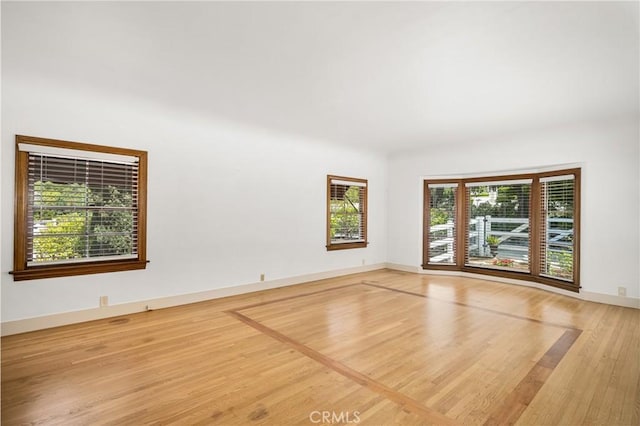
[[229, 201], [226, 203], [609, 154]]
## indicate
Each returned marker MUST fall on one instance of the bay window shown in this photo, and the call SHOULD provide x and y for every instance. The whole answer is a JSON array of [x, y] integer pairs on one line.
[[521, 226]]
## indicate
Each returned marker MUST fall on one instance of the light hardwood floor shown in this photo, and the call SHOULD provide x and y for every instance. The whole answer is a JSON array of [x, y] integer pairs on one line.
[[378, 348]]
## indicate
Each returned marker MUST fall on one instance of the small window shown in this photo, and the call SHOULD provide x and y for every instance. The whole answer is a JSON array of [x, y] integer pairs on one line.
[[80, 209], [346, 213]]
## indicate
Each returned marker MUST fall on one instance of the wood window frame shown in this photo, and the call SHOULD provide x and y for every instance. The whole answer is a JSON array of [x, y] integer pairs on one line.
[[23, 271], [462, 217], [350, 245]]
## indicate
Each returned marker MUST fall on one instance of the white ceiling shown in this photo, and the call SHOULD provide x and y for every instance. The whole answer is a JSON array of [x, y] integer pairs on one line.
[[386, 76]]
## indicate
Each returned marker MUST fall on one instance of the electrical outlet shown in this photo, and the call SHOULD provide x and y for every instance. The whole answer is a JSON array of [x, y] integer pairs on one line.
[[261, 277], [622, 291], [364, 261], [104, 301]]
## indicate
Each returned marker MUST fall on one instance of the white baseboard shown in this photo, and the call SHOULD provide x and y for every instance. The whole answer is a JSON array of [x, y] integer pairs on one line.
[[610, 299], [406, 268], [628, 302], [66, 318]]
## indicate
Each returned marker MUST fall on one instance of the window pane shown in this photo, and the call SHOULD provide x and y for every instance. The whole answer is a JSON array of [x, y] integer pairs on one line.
[[499, 225], [442, 228], [347, 223], [557, 228], [80, 210]]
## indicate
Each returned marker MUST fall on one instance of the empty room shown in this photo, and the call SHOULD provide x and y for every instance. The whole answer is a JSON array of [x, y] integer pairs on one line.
[[312, 213]]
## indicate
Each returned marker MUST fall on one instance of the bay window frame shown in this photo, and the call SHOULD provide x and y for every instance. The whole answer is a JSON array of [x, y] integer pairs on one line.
[[463, 219]]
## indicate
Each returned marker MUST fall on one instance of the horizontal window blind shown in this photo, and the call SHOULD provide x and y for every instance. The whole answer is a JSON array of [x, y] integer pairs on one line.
[[348, 183], [442, 185], [557, 178], [71, 153], [81, 209], [499, 183]]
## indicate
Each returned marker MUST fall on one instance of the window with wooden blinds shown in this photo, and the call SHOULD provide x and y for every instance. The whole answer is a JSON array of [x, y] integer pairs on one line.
[[346, 213], [441, 245], [557, 207], [498, 231], [522, 226], [81, 208]]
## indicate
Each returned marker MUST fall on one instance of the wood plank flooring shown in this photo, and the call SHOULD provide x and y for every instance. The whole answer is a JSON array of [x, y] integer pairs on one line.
[[378, 348]]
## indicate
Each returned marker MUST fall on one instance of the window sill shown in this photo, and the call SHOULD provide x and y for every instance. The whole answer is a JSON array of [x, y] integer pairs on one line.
[[343, 246], [39, 272], [517, 275]]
